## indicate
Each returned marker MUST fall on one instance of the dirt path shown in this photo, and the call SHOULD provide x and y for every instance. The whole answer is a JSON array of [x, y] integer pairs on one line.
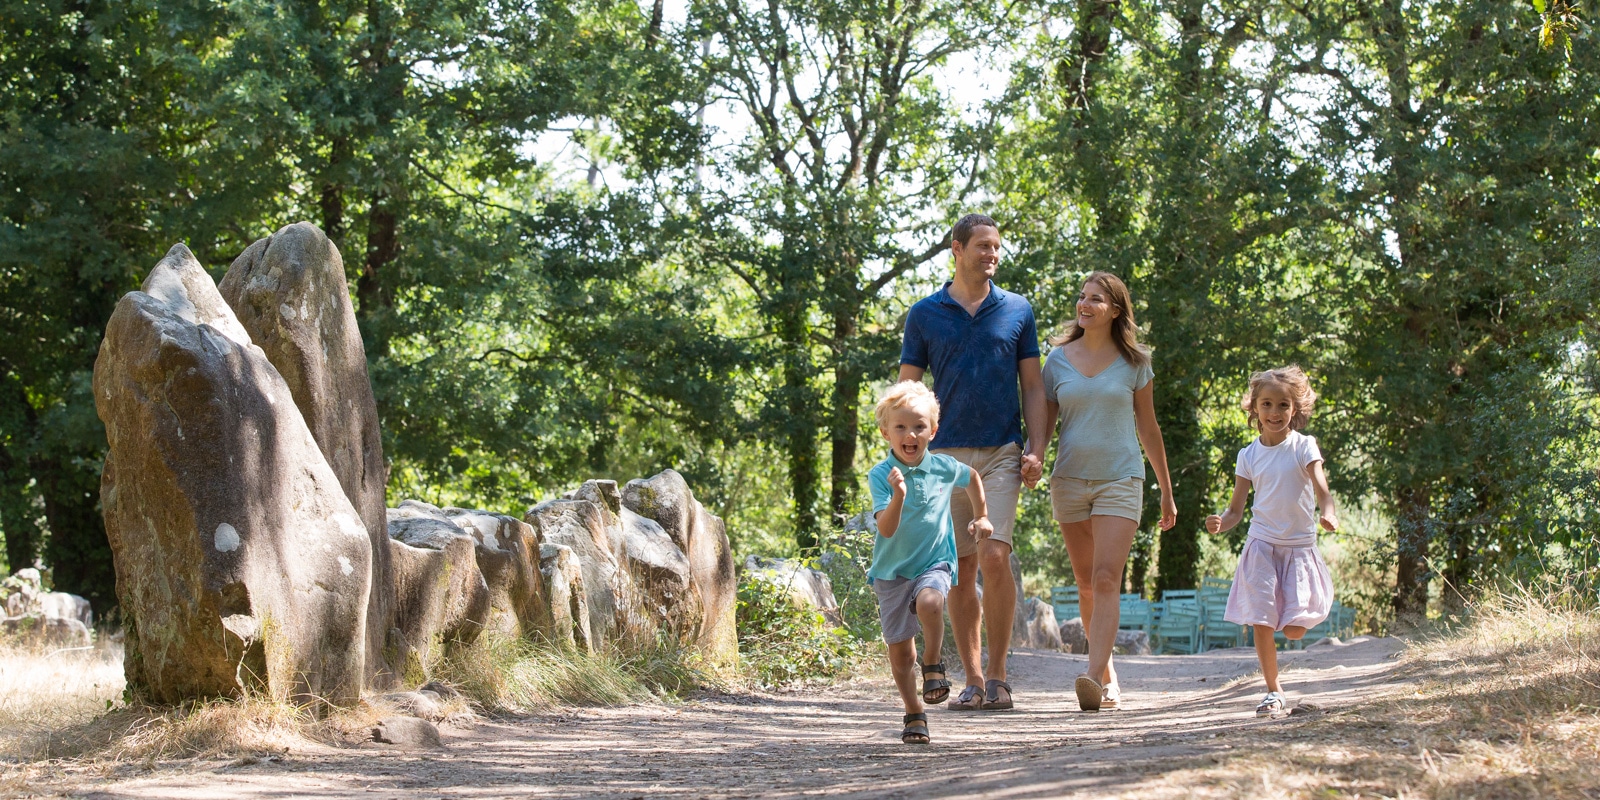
[[1179, 711]]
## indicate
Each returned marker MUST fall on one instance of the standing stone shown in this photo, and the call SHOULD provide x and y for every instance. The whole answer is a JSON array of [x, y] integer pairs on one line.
[[700, 534], [663, 582], [239, 558], [1073, 638], [508, 556], [581, 526], [440, 594], [807, 588], [1041, 629], [290, 293], [568, 602]]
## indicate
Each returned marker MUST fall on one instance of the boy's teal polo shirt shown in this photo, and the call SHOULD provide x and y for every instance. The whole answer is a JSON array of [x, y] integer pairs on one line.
[[926, 536]]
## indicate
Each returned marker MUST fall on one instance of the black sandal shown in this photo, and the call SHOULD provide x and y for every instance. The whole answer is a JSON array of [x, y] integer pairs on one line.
[[915, 733], [934, 690], [991, 696]]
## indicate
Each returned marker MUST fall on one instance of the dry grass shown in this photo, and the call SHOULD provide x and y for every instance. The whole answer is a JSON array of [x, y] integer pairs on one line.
[[515, 675], [1507, 706], [44, 691]]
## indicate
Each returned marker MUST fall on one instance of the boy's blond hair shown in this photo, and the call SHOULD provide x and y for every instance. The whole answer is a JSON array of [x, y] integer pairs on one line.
[[1294, 382], [907, 393]]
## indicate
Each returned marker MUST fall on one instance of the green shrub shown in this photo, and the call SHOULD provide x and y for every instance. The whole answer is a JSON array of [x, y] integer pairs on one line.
[[781, 643]]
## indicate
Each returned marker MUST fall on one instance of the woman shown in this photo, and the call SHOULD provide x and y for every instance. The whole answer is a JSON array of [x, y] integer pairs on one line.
[[1098, 380]]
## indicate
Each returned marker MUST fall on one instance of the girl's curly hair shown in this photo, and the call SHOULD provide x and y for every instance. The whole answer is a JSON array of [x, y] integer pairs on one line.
[[1294, 382]]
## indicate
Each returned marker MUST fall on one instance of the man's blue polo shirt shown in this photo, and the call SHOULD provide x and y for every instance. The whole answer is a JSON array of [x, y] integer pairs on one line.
[[973, 358]]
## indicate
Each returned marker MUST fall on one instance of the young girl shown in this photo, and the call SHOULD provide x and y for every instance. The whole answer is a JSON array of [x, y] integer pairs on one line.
[[1281, 583]]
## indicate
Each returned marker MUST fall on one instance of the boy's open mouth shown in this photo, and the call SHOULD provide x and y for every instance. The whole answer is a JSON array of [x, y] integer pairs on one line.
[[910, 450]]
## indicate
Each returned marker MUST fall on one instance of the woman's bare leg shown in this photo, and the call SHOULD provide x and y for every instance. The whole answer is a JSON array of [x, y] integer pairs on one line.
[[1079, 539], [1113, 539]]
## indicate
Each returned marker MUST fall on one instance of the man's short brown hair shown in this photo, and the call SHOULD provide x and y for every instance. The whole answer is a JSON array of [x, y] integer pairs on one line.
[[962, 232]]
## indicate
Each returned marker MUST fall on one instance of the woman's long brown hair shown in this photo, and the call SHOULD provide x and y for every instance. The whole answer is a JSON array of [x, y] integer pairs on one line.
[[1124, 332]]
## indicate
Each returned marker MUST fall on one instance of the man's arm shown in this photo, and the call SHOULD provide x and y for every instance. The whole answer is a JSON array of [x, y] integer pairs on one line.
[[1033, 416], [910, 373], [979, 527]]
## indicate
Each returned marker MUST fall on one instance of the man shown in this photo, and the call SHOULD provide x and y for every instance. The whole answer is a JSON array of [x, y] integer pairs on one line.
[[983, 347]]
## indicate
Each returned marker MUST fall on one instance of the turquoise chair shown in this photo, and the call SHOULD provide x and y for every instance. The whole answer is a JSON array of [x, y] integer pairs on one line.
[[1065, 601], [1218, 632], [1137, 614], [1179, 628]]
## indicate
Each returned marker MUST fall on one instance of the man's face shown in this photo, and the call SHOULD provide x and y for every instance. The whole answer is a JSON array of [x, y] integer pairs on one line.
[[980, 256]]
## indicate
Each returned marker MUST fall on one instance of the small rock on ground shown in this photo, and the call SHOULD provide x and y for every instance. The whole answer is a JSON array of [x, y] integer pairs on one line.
[[407, 731]]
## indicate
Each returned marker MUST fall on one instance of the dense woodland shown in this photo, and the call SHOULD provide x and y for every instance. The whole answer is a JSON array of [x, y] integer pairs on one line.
[[593, 238]]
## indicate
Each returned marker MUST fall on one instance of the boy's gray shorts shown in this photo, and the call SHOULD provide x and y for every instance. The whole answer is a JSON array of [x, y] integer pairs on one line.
[[897, 601]]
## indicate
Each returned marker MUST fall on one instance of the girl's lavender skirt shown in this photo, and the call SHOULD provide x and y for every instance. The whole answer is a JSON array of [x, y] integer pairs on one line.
[[1279, 586]]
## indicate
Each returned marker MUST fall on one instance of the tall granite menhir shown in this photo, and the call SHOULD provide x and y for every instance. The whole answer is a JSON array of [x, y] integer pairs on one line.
[[240, 561], [243, 494], [289, 291]]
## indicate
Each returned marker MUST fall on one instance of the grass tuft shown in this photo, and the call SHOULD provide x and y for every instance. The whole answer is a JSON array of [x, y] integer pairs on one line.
[[43, 691], [514, 675]]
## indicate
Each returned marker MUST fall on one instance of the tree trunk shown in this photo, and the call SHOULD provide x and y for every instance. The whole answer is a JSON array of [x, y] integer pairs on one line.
[[844, 430], [78, 551], [800, 444], [1177, 407], [1412, 506], [18, 503], [373, 298]]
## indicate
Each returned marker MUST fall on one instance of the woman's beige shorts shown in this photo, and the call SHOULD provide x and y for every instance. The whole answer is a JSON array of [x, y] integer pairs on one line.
[[1075, 499]]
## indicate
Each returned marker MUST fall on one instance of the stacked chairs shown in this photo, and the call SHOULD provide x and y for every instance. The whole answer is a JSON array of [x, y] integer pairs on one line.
[[1065, 601], [1138, 614], [1345, 627], [1190, 620], [1178, 629], [1216, 631]]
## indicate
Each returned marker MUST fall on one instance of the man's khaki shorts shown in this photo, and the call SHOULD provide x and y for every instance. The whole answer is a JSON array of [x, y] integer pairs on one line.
[[1075, 499], [1000, 468]]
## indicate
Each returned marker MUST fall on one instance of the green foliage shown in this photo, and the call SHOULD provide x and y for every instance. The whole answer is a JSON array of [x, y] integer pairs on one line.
[[781, 643], [1402, 197]]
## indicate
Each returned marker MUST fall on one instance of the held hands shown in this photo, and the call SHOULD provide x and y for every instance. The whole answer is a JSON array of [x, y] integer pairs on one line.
[[979, 528], [1032, 470], [897, 482]]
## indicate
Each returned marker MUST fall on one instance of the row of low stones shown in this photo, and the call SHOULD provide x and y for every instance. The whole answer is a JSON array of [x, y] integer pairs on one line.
[[243, 494], [33, 616]]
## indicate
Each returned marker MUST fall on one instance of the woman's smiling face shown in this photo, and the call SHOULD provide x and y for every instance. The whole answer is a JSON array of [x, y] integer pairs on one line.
[[1094, 306]]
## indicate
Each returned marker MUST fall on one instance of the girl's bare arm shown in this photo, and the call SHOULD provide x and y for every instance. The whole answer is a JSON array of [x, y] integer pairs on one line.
[[1330, 510], [1226, 520]]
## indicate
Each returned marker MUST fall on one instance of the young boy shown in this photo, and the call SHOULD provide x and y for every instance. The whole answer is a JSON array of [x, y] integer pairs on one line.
[[914, 556]]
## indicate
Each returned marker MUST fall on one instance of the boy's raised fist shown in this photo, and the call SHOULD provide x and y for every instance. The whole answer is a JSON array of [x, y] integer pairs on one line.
[[897, 482]]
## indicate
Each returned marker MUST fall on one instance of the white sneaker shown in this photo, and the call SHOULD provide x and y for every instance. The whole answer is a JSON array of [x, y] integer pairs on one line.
[[1271, 705]]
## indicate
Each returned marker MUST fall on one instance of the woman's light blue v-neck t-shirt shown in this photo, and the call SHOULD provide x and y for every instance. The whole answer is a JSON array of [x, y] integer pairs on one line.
[[1098, 441]]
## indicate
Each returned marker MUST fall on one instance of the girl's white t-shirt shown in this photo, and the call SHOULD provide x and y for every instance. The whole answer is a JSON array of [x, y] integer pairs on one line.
[[1285, 508]]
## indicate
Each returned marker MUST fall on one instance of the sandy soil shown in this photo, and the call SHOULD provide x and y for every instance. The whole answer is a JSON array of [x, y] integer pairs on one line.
[[842, 742]]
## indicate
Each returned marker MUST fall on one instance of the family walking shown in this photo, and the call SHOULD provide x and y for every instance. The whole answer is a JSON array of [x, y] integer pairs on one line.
[[960, 453]]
